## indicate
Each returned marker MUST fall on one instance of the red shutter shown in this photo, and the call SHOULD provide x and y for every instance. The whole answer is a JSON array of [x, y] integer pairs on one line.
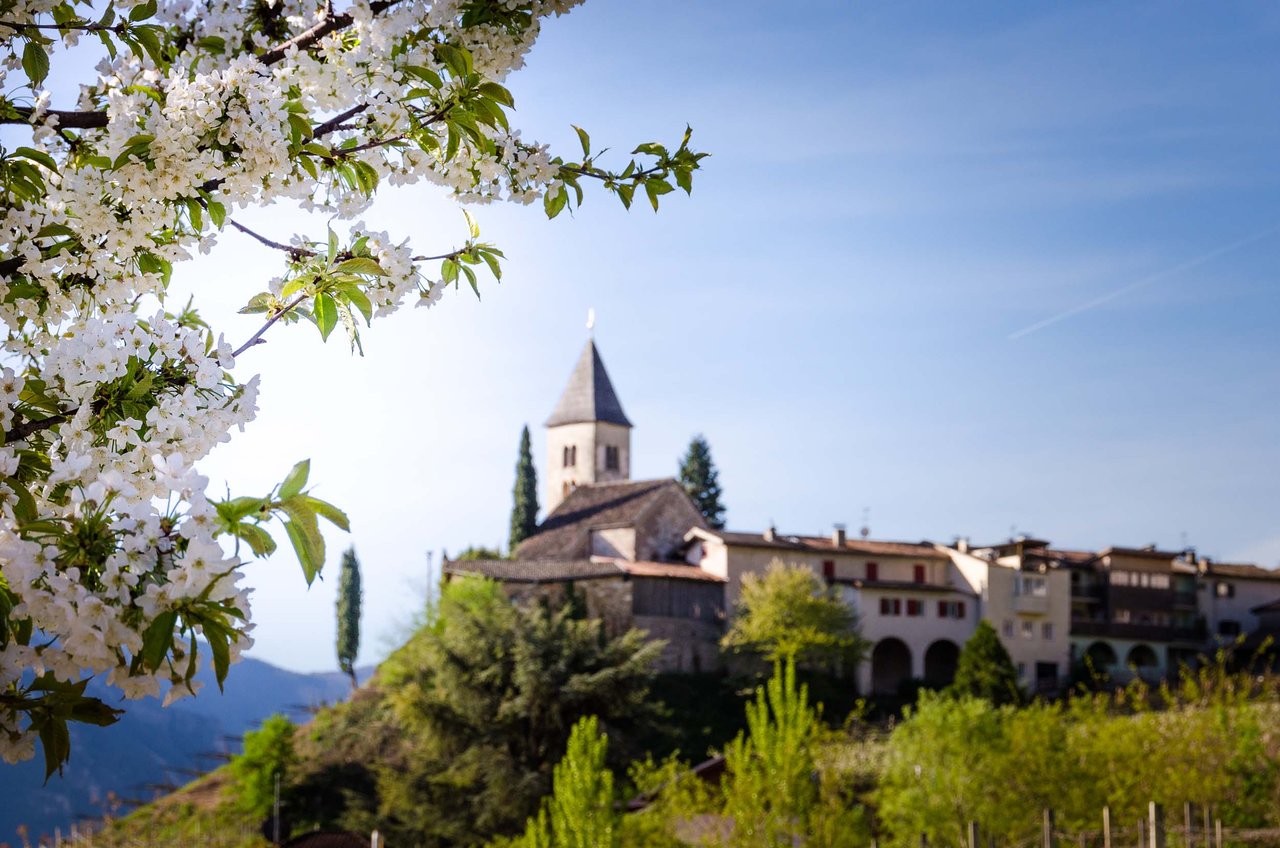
[[829, 569], [960, 609], [942, 609], [873, 571], [918, 573], [884, 606]]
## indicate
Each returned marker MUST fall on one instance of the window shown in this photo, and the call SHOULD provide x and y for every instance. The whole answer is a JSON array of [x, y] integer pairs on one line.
[[873, 571], [1119, 578], [1028, 630], [570, 456], [915, 608], [1046, 630], [1022, 669], [1160, 581], [1007, 629], [1122, 616], [1227, 627], [950, 609], [917, 573], [1225, 590], [610, 458], [1028, 585], [829, 569], [891, 606]]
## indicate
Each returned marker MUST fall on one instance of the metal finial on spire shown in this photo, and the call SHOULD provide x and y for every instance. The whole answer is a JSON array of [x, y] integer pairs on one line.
[[591, 321]]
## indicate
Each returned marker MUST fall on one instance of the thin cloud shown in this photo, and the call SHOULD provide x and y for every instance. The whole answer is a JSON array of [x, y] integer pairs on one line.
[[1145, 281]]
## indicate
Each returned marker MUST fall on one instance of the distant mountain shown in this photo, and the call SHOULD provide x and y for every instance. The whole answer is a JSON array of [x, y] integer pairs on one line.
[[151, 745]]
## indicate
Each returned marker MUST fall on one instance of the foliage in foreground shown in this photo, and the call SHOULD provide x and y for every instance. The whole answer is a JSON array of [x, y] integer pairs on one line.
[[1213, 739], [789, 614]]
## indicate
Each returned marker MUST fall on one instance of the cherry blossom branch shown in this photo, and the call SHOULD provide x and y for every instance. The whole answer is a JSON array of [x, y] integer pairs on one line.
[[294, 252], [30, 428], [256, 338], [330, 24]]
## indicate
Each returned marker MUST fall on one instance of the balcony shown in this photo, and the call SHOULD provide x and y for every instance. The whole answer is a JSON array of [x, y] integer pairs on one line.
[[1033, 604], [1141, 632]]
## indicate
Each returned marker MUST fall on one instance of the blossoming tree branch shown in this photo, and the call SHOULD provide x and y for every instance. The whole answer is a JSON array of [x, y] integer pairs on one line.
[[115, 560]]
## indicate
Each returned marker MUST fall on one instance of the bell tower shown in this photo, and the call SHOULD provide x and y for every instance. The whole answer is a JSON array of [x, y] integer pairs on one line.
[[588, 434]]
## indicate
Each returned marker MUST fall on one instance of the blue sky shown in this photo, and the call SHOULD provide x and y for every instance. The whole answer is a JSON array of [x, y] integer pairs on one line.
[[896, 191]]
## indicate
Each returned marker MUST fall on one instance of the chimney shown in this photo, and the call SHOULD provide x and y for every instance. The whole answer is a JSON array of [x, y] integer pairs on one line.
[[837, 536], [771, 535], [962, 544]]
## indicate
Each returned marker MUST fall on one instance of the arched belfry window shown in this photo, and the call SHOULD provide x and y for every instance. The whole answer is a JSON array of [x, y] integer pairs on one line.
[[570, 456]]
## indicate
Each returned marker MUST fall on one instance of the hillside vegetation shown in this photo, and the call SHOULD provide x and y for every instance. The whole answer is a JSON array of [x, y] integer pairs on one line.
[[510, 726]]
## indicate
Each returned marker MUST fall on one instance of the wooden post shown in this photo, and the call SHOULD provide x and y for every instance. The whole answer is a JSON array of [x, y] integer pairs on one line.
[[1106, 827], [1156, 814], [1046, 840], [973, 835], [1208, 826], [375, 839], [1142, 833], [1187, 836], [1217, 833]]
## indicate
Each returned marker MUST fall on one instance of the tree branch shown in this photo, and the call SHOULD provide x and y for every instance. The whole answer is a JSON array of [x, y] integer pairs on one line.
[[30, 428], [256, 338], [329, 25], [294, 252], [66, 119]]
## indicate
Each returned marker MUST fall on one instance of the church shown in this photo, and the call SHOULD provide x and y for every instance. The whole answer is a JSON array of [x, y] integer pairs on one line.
[[640, 554]]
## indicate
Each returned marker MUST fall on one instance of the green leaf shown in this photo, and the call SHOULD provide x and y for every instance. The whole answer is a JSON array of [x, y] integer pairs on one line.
[[655, 187], [584, 138], [55, 741], [37, 156], [496, 92], [329, 513], [333, 246], [141, 13], [96, 712], [35, 62], [217, 213], [258, 539], [304, 547], [295, 480], [157, 639], [361, 265], [325, 314], [472, 226]]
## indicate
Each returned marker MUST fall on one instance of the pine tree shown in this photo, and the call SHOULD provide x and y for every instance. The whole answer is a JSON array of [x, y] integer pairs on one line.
[[349, 614], [700, 479], [524, 512], [985, 669]]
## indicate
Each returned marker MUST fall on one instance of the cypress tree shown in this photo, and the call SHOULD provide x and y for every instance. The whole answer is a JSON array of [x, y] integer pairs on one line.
[[524, 512], [985, 669], [349, 614], [700, 479]]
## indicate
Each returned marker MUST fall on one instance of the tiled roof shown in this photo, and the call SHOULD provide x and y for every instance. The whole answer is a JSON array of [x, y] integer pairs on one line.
[[589, 396], [534, 571], [1242, 570], [900, 586], [820, 544], [673, 570], [1141, 553], [593, 505]]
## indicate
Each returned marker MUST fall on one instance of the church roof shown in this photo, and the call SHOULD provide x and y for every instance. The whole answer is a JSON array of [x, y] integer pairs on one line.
[[589, 395], [594, 505]]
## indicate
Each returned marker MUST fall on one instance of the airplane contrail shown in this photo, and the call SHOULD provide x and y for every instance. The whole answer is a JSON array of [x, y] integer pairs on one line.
[[1145, 281]]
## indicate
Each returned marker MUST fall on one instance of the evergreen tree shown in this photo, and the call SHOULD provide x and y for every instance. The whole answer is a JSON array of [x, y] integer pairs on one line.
[[985, 669], [349, 614], [700, 479], [524, 512], [580, 811]]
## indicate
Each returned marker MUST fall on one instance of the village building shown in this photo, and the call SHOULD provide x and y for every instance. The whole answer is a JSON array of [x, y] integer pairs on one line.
[[638, 553]]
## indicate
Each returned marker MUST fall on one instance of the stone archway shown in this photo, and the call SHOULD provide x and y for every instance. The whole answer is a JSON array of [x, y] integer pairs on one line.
[[1102, 657], [890, 666], [1143, 658], [940, 661]]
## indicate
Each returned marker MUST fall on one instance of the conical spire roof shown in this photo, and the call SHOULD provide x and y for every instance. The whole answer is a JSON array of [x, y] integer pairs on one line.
[[589, 395]]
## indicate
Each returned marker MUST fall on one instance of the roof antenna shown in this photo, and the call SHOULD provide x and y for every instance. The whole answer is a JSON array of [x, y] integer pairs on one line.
[[591, 322], [866, 522]]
